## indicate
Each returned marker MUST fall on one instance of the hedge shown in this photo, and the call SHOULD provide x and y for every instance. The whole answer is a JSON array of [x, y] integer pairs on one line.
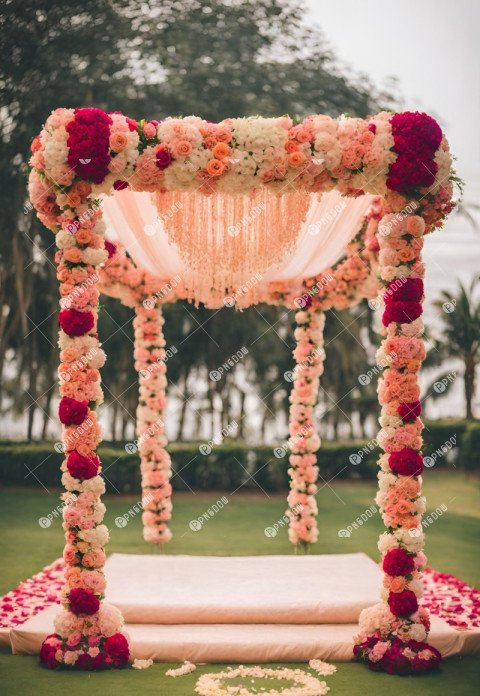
[[232, 465], [470, 449]]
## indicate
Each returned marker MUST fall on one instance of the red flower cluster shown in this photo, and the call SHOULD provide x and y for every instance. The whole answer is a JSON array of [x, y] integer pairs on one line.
[[48, 650], [406, 462], [417, 137], [88, 144], [164, 157], [398, 562], [410, 290], [411, 411], [71, 411], [83, 602], [74, 322], [81, 467], [403, 603], [394, 661], [116, 649], [111, 248], [401, 312]]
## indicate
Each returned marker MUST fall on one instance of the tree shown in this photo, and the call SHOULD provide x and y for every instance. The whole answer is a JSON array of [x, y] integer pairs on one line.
[[460, 316], [215, 58]]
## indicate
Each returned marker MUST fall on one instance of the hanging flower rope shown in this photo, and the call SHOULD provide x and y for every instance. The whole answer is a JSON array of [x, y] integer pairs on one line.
[[155, 461], [304, 440]]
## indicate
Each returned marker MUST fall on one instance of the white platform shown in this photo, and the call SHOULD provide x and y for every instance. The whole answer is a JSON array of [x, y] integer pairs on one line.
[[290, 596], [310, 589]]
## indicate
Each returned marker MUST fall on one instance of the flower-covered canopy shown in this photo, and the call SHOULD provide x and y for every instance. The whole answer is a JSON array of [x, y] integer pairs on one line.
[[233, 197]]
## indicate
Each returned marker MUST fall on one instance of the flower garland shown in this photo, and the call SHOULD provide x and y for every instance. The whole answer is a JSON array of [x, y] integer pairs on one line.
[[211, 684], [393, 633], [155, 461], [88, 632], [304, 440], [387, 152]]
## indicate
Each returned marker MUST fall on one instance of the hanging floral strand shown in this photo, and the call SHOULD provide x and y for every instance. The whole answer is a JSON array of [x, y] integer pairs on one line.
[[155, 460], [304, 440]]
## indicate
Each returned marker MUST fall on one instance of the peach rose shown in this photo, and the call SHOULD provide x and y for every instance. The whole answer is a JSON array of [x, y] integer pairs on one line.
[[215, 167], [296, 159], [182, 148], [72, 254], [83, 236], [291, 146], [221, 150], [118, 141]]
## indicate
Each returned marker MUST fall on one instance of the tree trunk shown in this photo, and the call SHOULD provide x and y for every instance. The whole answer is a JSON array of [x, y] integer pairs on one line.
[[114, 420], [183, 408], [469, 382], [46, 414], [241, 419]]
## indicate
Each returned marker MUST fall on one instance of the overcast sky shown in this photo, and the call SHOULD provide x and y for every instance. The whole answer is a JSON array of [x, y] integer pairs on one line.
[[432, 46]]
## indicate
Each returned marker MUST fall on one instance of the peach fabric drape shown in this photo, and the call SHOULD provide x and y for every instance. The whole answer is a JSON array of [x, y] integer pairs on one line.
[[331, 222]]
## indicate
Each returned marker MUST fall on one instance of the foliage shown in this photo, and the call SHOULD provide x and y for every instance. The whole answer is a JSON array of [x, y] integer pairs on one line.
[[247, 56]]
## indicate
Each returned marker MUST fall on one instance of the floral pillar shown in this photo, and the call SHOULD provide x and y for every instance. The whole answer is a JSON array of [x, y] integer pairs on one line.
[[419, 196], [88, 631], [393, 633], [155, 461], [304, 440]]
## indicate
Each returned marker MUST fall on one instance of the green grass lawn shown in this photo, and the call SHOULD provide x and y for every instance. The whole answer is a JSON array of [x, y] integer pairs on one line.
[[238, 529]]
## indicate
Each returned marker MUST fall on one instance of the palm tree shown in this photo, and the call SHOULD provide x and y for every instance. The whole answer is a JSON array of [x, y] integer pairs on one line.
[[461, 333]]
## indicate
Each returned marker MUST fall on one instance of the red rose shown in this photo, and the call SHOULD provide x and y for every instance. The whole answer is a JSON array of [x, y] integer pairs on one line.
[[88, 144], [411, 411], [71, 411], [83, 601], [410, 290], [111, 248], [406, 462], [417, 133], [394, 661], [84, 661], [116, 647], [402, 603], [48, 650], [81, 467], [398, 562], [132, 124], [164, 158], [119, 185], [401, 312], [74, 322]]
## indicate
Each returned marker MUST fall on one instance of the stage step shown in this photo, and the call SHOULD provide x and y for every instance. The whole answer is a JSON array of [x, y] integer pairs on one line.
[[237, 643], [312, 589]]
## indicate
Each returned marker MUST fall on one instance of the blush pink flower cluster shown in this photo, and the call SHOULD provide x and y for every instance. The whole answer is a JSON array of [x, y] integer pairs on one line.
[[304, 440], [155, 461]]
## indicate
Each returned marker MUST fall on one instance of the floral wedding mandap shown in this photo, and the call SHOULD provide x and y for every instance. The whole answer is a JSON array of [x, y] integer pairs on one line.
[[309, 215]]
